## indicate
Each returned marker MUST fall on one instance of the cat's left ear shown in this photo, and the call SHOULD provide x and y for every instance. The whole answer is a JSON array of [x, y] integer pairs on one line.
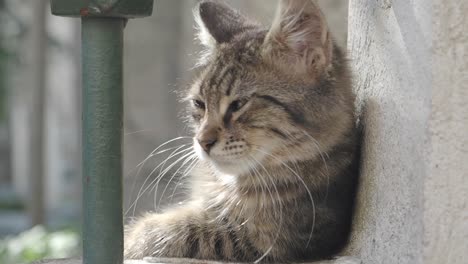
[[299, 37], [218, 23]]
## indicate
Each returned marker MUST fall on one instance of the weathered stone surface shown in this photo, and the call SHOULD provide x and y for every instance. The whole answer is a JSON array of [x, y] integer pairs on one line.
[[411, 63], [446, 186], [389, 45]]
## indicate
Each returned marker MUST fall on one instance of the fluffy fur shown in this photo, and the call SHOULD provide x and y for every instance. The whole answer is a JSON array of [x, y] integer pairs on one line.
[[274, 129]]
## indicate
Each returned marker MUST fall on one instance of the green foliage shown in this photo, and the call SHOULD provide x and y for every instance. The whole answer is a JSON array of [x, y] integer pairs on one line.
[[11, 204], [37, 243]]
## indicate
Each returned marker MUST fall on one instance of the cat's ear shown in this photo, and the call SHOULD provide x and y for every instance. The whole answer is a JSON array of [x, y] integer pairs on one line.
[[300, 37], [218, 23]]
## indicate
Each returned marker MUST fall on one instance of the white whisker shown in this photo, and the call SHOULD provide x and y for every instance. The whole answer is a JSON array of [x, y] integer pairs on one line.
[[140, 165], [187, 171], [303, 183], [141, 191], [158, 178], [187, 160], [274, 205], [317, 145]]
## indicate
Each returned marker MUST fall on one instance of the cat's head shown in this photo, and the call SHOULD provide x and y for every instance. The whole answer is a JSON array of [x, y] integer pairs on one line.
[[267, 95]]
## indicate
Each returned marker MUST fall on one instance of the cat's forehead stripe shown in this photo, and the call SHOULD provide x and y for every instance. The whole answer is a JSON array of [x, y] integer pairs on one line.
[[228, 74], [211, 80], [208, 79], [231, 84], [218, 68], [221, 78]]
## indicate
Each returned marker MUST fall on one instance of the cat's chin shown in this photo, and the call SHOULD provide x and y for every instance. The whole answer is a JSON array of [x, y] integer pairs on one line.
[[232, 168], [236, 167]]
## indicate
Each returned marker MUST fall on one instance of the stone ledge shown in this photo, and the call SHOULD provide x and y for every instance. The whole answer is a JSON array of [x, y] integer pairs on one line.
[[340, 260]]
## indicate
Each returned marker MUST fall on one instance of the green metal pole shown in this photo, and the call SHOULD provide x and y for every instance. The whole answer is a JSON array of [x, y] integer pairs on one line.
[[103, 22], [102, 52]]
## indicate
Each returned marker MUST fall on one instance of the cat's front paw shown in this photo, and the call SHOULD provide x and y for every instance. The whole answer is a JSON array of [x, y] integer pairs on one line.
[[159, 235], [138, 235]]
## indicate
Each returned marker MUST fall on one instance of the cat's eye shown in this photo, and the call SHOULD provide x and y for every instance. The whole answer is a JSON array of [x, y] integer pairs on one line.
[[237, 105], [199, 104]]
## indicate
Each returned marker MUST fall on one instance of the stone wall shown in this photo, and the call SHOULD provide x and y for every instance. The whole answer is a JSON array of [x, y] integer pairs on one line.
[[394, 96], [410, 66], [446, 184]]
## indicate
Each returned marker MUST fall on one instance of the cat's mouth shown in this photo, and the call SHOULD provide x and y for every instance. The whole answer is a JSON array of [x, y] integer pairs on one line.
[[222, 156], [231, 158]]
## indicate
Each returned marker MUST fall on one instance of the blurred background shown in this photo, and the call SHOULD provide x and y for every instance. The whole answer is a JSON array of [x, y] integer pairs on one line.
[[40, 115]]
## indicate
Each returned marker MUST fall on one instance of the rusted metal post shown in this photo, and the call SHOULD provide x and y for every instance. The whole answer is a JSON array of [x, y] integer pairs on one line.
[[103, 22]]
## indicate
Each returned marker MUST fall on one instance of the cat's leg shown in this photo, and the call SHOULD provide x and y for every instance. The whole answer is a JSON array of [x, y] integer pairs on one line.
[[162, 235], [184, 232]]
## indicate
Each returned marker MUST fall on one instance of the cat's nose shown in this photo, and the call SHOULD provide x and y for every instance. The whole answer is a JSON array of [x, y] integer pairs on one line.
[[208, 139], [207, 144]]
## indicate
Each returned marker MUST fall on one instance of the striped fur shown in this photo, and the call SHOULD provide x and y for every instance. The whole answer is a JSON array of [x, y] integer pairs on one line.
[[274, 128]]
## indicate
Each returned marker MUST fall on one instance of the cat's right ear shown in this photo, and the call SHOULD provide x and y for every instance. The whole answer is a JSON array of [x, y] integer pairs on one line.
[[216, 24], [299, 38]]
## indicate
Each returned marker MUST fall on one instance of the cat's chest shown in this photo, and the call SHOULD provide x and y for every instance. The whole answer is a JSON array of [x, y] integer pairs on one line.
[[245, 207]]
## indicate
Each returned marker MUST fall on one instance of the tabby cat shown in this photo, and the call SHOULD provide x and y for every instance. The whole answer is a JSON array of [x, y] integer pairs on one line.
[[275, 132]]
